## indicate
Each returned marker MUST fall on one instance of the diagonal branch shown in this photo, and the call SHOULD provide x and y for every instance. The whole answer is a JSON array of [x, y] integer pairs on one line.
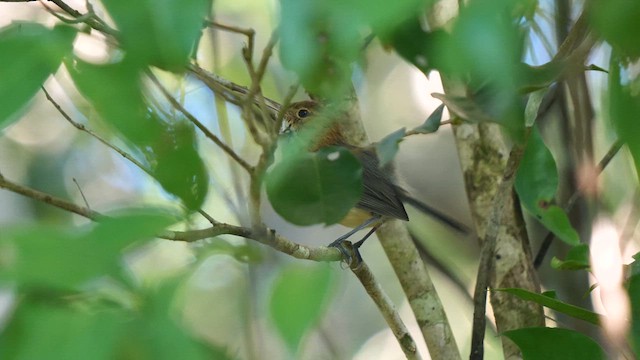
[[546, 243], [270, 237], [386, 307], [48, 199], [83, 128], [200, 126]]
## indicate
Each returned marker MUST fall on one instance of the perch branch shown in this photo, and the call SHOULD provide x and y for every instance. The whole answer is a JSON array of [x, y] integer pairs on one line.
[[386, 307]]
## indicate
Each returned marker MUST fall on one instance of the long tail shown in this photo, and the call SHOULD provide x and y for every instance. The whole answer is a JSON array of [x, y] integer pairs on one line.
[[454, 224]]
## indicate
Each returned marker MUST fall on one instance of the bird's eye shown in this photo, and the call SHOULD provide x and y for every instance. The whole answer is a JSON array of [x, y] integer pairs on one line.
[[303, 113]]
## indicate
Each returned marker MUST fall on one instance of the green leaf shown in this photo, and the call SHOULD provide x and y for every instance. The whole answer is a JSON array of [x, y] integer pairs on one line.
[[124, 109], [416, 45], [533, 105], [169, 144], [554, 344], [536, 183], [634, 298], [319, 40], [486, 47], [577, 259], [300, 295], [312, 188], [68, 258], [432, 123], [635, 265], [178, 166], [388, 147], [159, 33], [617, 22], [554, 304], [157, 332], [29, 53], [555, 219], [594, 67], [624, 105], [39, 330], [464, 108]]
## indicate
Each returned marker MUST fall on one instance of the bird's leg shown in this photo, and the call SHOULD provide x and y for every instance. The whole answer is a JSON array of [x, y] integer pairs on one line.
[[344, 237], [361, 241], [339, 242]]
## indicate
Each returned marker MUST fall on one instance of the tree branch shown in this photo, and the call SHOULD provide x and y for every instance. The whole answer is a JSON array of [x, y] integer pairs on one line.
[[83, 128], [270, 237], [228, 150], [48, 199], [502, 206], [546, 243], [386, 307]]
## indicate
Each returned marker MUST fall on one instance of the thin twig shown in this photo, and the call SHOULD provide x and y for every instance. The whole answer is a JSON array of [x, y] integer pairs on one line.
[[222, 113], [86, 203], [48, 199], [230, 91], [546, 243], [269, 237], [80, 19], [285, 103], [230, 28], [209, 218], [386, 307], [83, 128], [92, 21], [245, 165]]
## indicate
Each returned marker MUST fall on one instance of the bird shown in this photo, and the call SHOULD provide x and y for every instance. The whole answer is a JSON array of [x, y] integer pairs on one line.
[[382, 198]]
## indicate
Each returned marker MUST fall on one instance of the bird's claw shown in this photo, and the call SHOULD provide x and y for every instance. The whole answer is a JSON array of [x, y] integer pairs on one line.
[[350, 252]]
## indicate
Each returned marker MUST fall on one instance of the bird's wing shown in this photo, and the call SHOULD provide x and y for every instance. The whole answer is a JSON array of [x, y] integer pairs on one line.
[[380, 194]]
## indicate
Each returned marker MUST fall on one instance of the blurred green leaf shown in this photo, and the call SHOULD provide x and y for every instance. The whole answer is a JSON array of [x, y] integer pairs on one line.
[[577, 259], [115, 91], [633, 289], [300, 295], [464, 108], [485, 49], [178, 166], [486, 43], [554, 304], [555, 219], [29, 53], [67, 258], [624, 105], [594, 67], [319, 40], [159, 33], [635, 265], [432, 123], [416, 45], [554, 344], [617, 22], [533, 106], [536, 184], [312, 188], [157, 333], [169, 144], [388, 147], [38, 330]]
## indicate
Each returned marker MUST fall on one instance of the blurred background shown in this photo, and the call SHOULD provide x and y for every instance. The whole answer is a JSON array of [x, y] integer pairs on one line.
[[227, 297]]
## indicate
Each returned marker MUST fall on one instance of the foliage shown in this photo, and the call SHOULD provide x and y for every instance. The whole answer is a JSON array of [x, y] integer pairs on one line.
[[73, 288]]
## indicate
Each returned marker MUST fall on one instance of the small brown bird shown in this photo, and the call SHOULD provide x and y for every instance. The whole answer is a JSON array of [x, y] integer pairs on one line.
[[381, 197]]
